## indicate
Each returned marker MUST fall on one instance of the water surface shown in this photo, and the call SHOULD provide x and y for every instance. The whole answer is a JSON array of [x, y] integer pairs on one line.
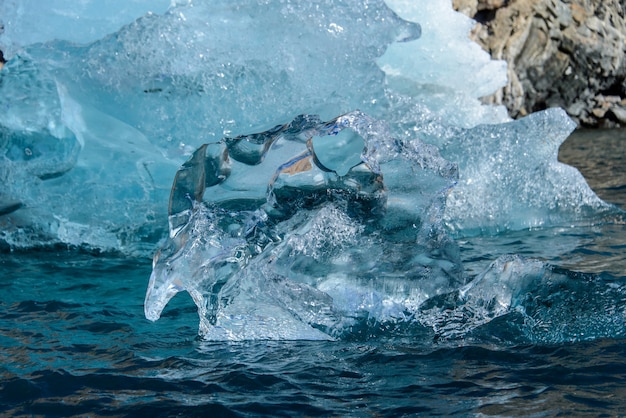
[[76, 342]]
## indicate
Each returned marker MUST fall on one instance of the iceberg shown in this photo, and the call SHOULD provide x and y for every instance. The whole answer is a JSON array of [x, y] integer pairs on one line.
[[325, 156], [144, 97], [267, 230], [516, 165]]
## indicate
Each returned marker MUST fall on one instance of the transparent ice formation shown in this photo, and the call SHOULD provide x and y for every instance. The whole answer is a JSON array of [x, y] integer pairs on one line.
[[324, 230], [306, 230], [515, 165], [526, 300], [319, 227]]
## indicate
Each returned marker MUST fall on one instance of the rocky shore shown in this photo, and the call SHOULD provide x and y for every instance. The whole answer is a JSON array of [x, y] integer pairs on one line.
[[565, 53]]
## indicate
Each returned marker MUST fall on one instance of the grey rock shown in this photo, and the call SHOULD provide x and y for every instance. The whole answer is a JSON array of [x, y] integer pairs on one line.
[[620, 113], [566, 53]]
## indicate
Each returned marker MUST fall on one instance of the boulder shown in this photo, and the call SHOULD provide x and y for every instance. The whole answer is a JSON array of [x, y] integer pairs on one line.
[[560, 53]]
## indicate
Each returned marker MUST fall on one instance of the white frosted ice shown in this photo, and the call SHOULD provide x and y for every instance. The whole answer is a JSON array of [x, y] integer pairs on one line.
[[265, 265], [443, 69], [444, 55]]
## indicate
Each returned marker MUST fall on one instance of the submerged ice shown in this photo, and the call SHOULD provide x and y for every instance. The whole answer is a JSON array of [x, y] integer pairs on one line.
[[318, 227]]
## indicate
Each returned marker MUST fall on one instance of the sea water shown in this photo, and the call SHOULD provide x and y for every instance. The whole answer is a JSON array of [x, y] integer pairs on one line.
[[519, 304], [76, 342]]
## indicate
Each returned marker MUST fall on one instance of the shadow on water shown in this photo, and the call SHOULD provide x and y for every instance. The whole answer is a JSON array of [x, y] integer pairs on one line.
[[600, 155]]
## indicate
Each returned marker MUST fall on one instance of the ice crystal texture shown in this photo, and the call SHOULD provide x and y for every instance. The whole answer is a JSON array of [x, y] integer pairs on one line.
[[321, 226]]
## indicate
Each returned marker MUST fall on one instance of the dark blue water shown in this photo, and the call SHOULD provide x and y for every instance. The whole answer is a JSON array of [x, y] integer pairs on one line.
[[75, 341]]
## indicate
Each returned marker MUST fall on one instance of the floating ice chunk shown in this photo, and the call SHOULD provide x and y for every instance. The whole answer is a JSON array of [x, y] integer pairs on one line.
[[510, 177], [493, 293], [258, 222]]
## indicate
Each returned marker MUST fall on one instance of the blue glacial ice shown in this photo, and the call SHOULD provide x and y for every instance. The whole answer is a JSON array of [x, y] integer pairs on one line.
[[146, 96], [334, 218]]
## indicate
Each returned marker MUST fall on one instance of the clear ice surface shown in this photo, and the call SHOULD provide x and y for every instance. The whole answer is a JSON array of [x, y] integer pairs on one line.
[[316, 228], [325, 224]]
